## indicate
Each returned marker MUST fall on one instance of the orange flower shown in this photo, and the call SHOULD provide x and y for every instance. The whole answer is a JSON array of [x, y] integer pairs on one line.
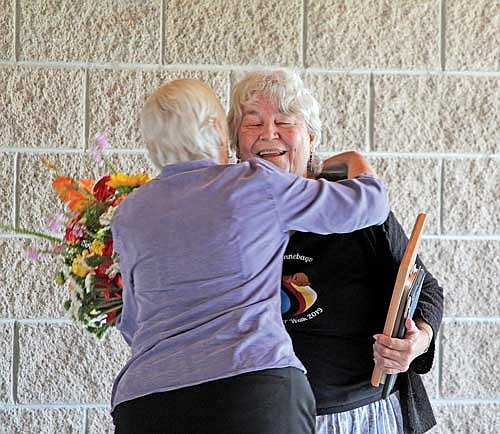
[[77, 202], [63, 185], [75, 195], [87, 184]]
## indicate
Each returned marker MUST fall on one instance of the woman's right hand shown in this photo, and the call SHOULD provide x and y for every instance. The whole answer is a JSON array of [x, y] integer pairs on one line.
[[351, 162]]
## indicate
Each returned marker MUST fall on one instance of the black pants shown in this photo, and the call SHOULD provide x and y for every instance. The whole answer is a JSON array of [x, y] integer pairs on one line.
[[272, 401]]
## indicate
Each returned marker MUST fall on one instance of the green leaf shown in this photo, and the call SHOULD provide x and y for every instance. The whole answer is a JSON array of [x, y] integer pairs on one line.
[[94, 260]]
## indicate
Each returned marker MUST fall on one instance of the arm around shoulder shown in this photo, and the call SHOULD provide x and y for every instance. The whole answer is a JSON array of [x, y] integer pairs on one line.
[[325, 207], [355, 166], [350, 162]]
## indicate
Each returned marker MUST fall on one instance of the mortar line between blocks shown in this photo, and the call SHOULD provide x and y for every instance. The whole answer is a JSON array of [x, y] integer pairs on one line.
[[485, 319], [304, 34], [85, 110], [440, 363], [14, 363], [370, 120], [403, 72], [76, 406], [15, 192], [441, 197], [442, 34], [44, 321], [17, 30], [69, 151], [245, 68], [465, 401], [432, 155], [162, 32], [459, 237], [85, 421]]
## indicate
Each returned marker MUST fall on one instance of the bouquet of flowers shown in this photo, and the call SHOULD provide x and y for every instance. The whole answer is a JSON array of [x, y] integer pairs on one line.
[[90, 267]]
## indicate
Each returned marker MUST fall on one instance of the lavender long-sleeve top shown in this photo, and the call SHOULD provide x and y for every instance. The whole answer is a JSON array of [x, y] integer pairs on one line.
[[201, 251]]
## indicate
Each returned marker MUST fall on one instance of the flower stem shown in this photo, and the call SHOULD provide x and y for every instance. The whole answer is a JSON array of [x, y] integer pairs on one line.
[[31, 232], [111, 309], [108, 302], [107, 287], [109, 165]]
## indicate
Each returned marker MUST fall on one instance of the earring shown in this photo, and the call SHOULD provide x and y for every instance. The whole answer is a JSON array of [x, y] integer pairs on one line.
[[314, 165], [238, 159], [310, 168]]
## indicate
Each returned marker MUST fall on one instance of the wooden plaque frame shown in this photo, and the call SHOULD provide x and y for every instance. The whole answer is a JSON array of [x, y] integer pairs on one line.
[[405, 268]]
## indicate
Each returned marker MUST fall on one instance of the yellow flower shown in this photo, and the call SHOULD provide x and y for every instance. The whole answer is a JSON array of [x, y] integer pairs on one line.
[[97, 247], [79, 267], [124, 180]]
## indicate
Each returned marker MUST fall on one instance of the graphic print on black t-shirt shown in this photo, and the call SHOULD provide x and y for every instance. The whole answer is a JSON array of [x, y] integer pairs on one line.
[[297, 297]]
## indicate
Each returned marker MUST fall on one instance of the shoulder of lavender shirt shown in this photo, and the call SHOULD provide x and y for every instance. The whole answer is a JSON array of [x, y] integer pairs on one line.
[[270, 168], [365, 181], [259, 162], [371, 181]]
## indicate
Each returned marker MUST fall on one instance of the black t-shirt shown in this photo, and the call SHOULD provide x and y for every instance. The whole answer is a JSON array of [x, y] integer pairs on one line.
[[333, 336], [336, 292]]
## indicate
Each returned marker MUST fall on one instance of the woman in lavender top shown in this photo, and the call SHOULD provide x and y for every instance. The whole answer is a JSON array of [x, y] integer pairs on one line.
[[201, 250]]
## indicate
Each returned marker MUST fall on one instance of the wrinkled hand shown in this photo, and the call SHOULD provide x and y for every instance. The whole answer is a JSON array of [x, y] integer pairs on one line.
[[394, 355], [351, 163]]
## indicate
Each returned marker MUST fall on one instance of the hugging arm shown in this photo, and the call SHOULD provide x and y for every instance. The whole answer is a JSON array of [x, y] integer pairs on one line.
[[325, 207], [348, 165]]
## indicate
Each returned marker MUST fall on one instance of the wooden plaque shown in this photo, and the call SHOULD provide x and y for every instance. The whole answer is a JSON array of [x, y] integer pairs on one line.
[[405, 268]]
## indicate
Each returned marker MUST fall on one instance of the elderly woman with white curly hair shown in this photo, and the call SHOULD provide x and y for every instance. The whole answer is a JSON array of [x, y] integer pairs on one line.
[[201, 250], [336, 288]]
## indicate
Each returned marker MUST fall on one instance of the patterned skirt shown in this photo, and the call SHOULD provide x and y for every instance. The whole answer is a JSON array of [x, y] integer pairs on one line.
[[380, 417]]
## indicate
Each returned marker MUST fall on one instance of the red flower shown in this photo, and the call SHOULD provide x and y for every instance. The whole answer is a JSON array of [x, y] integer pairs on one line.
[[100, 272], [108, 249], [119, 282], [110, 316], [101, 190], [71, 235]]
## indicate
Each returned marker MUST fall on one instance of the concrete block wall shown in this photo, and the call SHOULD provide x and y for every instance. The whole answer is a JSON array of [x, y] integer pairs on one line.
[[415, 85]]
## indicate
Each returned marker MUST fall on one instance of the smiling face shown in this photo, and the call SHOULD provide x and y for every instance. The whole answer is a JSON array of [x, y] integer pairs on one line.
[[280, 138]]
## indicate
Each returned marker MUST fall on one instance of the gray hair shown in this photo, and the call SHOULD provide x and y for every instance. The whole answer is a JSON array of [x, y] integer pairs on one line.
[[177, 123], [285, 89]]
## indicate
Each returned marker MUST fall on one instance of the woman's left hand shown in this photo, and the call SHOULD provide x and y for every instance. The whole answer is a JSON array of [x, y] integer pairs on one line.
[[394, 355]]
